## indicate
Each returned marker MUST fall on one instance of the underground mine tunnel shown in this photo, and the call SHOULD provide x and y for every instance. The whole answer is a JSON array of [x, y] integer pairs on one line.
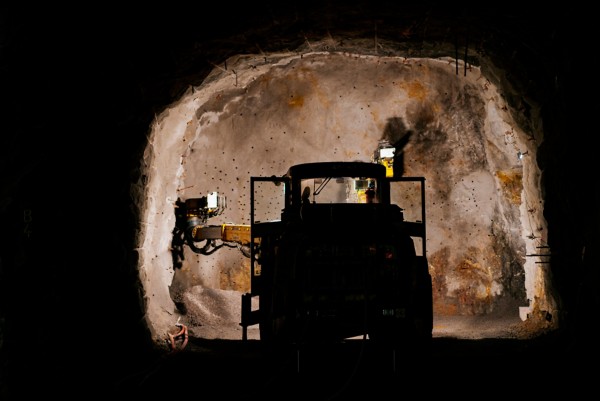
[[115, 119], [265, 113]]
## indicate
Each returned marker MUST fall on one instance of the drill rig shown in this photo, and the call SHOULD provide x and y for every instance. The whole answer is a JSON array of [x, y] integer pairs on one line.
[[327, 262]]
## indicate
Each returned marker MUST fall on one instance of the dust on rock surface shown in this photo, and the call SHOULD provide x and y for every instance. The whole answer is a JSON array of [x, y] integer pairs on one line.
[[215, 314]]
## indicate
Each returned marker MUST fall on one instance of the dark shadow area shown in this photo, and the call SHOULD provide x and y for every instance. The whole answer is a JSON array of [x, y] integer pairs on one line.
[[354, 369], [348, 370]]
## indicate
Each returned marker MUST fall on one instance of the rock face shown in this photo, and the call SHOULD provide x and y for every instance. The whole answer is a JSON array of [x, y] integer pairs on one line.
[[311, 105]]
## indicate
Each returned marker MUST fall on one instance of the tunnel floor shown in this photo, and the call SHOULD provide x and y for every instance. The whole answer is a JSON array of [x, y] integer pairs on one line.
[[121, 366], [466, 352], [354, 369]]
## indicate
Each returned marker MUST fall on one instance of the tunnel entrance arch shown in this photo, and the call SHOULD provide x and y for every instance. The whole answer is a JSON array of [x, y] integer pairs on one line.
[[262, 114]]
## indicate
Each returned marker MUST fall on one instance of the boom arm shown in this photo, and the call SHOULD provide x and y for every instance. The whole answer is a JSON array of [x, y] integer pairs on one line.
[[227, 233], [191, 228]]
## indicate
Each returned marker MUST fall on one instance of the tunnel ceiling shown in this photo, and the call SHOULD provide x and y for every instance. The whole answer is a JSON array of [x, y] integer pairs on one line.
[[513, 40]]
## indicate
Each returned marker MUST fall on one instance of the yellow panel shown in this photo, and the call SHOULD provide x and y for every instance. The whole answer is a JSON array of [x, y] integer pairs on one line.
[[236, 233]]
